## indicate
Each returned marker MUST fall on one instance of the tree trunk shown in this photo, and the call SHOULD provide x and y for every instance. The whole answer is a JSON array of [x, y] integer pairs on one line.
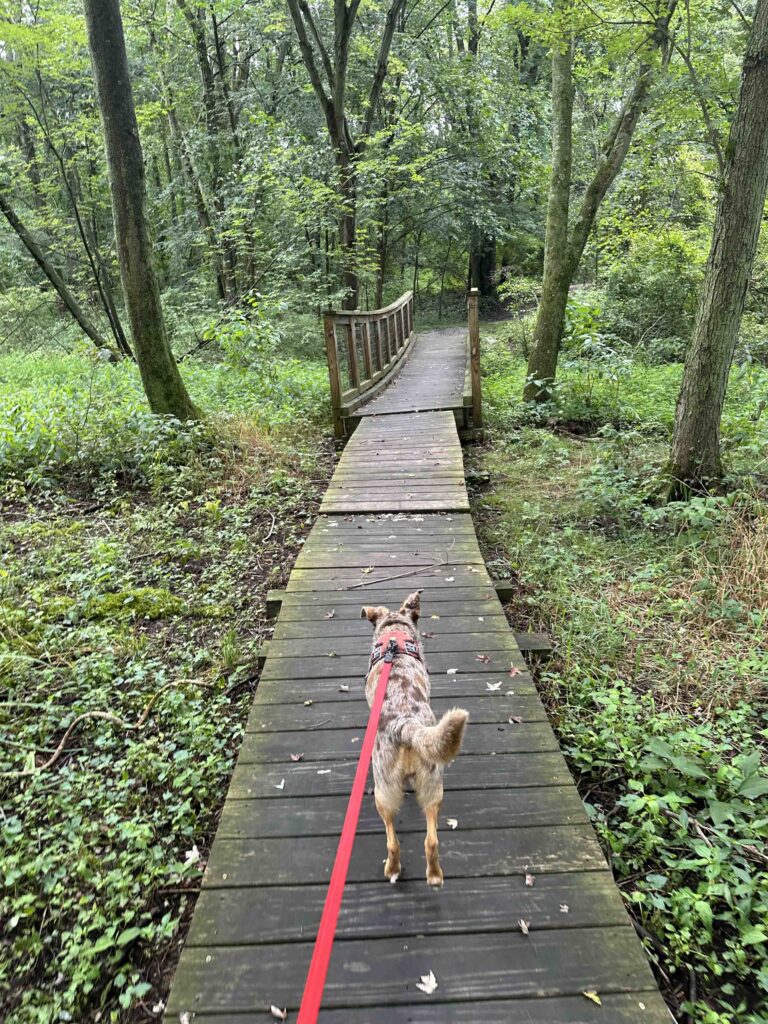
[[695, 457], [159, 373], [51, 273], [542, 362], [482, 263], [567, 249], [348, 230]]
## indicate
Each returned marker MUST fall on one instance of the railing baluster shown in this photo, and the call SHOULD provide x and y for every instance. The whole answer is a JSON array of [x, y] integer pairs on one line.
[[331, 351], [366, 329], [354, 370]]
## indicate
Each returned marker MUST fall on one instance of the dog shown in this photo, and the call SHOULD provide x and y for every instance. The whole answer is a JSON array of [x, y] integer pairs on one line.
[[411, 745]]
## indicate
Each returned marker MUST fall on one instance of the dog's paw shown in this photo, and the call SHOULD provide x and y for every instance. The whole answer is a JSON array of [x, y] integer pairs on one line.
[[435, 878], [392, 869]]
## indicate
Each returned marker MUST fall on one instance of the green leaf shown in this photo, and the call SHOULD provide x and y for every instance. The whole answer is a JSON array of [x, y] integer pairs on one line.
[[128, 936], [752, 936]]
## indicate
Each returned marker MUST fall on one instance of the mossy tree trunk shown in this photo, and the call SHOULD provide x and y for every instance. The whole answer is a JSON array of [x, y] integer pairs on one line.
[[159, 373], [695, 458], [564, 244], [542, 362]]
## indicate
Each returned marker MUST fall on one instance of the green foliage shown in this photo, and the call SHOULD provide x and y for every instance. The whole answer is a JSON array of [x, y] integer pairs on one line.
[[143, 603], [657, 688], [68, 418], [651, 293]]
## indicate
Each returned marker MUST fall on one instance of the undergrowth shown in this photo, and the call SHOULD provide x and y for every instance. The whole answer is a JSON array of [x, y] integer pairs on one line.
[[135, 553], [658, 683]]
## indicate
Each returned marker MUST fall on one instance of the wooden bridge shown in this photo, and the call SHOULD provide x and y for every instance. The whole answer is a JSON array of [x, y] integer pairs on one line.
[[529, 926]]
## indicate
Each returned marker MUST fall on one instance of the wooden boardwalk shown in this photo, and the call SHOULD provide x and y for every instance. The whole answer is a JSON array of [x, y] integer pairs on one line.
[[398, 505]]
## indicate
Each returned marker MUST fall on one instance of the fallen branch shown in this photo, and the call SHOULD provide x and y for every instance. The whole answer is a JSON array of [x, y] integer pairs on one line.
[[402, 575], [107, 716]]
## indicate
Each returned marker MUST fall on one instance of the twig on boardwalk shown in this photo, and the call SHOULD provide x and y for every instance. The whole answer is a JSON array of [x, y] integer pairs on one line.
[[402, 575]]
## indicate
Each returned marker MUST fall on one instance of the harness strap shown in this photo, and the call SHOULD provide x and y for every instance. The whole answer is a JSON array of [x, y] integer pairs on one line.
[[321, 955]]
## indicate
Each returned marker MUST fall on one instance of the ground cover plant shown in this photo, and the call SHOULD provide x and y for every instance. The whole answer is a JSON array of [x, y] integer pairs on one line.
[[135, 554], [658, 682]]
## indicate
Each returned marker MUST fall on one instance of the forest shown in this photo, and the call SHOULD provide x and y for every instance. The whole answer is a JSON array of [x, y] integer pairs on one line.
[[185, 187]]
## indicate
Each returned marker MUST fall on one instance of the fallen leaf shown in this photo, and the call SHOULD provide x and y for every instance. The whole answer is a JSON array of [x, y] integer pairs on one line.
[[428, 636], [452, 822], [530, 881], [296, 757], [158, 1007], [355, 739], [515, 719], [484, 658], [185, 1018], [308, 703], [510, 693], [330, 614], [564, 908], [515, 671], [277, 1013], [480, 618], [452, 671], [324, 771], [369, 569], [280, 784], [434, 616], [524, 926], [343, 688], [192, 856], [449, 579], [591, 994], [332, 654], [428, 983], [493, 687]]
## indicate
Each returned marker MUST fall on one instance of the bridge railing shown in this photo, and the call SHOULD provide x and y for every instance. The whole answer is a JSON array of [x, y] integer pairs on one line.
[[364, 350]]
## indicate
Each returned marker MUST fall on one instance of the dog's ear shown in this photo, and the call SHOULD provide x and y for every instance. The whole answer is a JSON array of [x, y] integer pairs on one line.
[[374, 615], [411, 606]]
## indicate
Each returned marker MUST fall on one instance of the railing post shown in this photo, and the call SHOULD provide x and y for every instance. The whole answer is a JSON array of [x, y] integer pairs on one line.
[[331, 351], [365, 328], [474, 356], [354, 370]]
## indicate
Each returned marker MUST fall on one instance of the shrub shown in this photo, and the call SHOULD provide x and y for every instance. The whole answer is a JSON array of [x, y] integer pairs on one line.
[[652, 291]]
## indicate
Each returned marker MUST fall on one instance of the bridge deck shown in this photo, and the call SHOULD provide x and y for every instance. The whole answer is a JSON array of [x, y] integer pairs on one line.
[[398, 505]]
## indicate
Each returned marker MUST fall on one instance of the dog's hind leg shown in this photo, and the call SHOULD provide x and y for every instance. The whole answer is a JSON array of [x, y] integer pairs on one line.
[[434, 871], [392, 866]]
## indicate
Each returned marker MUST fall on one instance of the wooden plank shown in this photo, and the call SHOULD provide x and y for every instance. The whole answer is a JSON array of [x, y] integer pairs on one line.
[[305, 859], [504, 771], [496, 662], [376, 910], [438, 643], [290, 690], [646, 1007], [346, 623], [331, 744], [379, 972], [353, 714], [473, 809]]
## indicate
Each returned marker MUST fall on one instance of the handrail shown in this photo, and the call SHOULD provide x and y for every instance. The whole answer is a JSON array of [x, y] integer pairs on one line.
[[363, 349]]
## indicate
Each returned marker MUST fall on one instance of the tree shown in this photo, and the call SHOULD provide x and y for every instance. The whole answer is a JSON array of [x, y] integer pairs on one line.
[[51, 273], [159, 373], [695, 461], [328, 76], [566, 242]]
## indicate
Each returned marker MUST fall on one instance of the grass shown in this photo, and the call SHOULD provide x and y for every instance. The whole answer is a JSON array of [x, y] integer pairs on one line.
[[658, 683], [135, 554]]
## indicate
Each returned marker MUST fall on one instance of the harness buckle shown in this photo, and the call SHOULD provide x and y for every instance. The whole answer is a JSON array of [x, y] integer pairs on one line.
[[391, 651]]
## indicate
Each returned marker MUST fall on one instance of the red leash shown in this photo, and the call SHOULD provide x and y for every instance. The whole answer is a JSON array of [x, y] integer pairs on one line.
[[321, 955]]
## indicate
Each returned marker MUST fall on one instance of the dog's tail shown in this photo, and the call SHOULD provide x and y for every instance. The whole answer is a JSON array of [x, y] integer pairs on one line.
[[437, 743]]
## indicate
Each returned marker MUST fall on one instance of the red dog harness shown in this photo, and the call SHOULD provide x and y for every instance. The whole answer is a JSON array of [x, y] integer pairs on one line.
[[390, 644]]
